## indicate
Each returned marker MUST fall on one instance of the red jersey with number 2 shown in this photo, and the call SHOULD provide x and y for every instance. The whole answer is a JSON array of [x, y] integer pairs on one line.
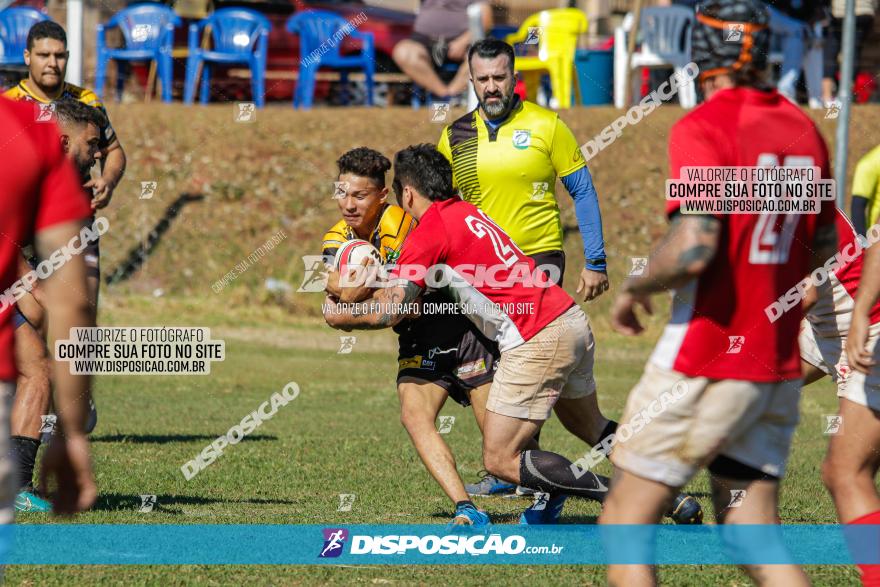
[[718, 327], [486, 272]]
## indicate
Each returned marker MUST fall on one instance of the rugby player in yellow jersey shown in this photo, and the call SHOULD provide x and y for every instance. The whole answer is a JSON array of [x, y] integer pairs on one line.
[[866, 191], [441, 354], [46, 58]]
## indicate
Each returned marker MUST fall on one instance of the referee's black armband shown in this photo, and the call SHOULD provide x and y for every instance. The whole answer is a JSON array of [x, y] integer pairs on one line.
[[597, 264]]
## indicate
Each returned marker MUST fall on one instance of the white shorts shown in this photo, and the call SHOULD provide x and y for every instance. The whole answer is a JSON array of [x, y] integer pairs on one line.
[[674, 425], [556, 363], [828, 354]]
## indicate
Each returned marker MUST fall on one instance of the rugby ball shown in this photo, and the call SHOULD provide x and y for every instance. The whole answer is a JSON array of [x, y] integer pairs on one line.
[[351, 254]]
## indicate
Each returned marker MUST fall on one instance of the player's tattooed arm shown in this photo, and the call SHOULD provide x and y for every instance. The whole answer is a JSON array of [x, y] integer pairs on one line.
[[684, 253], [385, 309]]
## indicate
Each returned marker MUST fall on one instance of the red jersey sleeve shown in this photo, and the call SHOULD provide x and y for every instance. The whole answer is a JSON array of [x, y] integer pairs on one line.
[[61, 197], [425, 247], [689, 146]]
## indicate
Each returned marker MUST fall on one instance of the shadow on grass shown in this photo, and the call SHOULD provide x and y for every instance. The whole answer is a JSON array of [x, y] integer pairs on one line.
[[116, 501], [166, 438]]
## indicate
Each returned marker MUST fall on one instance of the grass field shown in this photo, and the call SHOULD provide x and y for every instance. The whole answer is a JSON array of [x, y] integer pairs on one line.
[[341, 435]]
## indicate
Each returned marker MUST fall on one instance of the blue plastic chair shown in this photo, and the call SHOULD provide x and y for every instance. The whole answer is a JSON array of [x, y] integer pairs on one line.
[[239, 35], [15, 23], [148, 30], [320, 36]]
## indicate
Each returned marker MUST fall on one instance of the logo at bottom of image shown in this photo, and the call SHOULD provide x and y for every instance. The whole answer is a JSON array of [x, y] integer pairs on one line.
[[334, 541], [453, 544]]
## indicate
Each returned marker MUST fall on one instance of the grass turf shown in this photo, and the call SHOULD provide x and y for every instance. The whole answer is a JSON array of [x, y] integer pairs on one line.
[[341, 435]]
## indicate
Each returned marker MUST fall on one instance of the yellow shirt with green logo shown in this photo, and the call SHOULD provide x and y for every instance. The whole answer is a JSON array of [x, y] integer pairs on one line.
[[866, 183], [510, 172]]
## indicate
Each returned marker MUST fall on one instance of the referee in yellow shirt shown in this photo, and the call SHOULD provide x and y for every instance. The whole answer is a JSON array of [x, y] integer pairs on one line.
[[866, 191], [506, 156]]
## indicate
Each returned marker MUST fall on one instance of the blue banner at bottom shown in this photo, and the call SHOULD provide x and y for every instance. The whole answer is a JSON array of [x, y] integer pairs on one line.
[[77, 544]]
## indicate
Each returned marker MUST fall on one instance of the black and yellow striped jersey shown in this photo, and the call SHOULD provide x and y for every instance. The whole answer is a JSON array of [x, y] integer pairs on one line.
[[70, 92], [510, 171], [392, 229]]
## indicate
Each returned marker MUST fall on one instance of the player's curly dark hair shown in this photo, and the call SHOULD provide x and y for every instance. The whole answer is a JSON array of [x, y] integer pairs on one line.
[[426, 169], [365, 162]]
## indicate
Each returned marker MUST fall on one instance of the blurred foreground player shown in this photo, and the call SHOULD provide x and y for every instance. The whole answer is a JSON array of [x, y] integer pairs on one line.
[[735, 373], [80, 128], [43, 203], [852, 460]]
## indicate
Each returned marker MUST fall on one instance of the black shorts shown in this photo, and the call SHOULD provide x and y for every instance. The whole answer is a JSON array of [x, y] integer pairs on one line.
[[555, 258], [458, 365]]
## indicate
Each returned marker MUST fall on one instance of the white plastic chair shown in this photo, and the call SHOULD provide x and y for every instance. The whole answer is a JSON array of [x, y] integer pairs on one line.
[[666, 41]]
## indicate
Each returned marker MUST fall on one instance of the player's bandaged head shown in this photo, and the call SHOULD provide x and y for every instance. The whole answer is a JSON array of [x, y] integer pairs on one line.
[[730, 36]]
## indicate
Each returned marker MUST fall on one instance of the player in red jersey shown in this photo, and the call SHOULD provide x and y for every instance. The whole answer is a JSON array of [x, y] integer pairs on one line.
[[725, 378], [544, 338], [80, 127], [828, 306], [43, 203], [852, 460]]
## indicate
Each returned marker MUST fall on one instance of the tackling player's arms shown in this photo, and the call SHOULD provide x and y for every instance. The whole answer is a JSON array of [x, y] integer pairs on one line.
[[386, 308], [684, 253]]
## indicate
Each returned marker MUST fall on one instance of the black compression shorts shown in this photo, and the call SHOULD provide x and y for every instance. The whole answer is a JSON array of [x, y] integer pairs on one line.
[[458, 365]]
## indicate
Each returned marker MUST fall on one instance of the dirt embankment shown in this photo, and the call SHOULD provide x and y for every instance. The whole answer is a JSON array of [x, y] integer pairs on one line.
[[276, 174]]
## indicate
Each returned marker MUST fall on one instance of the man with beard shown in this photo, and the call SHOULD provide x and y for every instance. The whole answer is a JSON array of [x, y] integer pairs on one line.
[[80, 126], [505, 158], [46, 57]]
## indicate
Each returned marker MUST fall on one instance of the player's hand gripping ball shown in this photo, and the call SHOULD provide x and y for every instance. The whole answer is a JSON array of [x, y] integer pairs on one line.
[[358, 265]]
